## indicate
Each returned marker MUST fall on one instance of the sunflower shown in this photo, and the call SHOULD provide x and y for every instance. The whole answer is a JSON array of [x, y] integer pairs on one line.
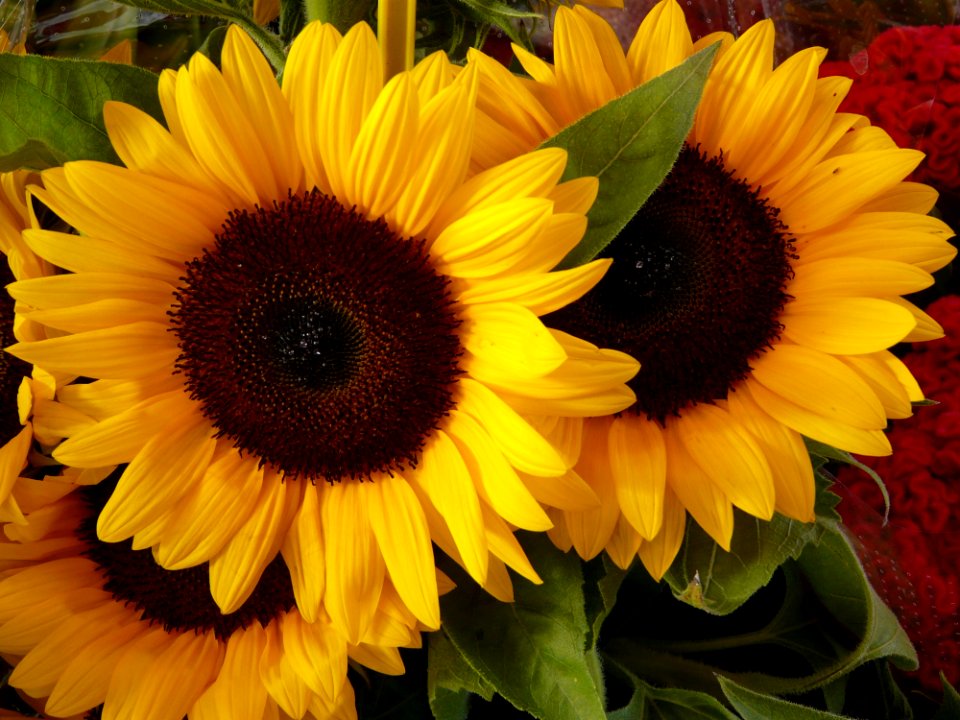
[[86, 623], [310, 332], [759, 286], [22, 387]]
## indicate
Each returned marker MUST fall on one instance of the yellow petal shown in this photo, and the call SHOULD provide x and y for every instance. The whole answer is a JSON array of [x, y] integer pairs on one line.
[[856, 277], [590, 530], [118, 439], [354, 565], [505, 340], [623, 544], [445, 477], [401, 530], [443, 155], [840, 185], [491, 242], [706, 502], [523, 446], [352, 84], [499, 484], [128, 351], [658, 554], [235, 572], [818, 427], [280, 677], [237, 692], [252, 82], [541, 293], [846, 326], [213, 512], [317, 654], [304, 555], [379, 164], [638, 461], [821, 383], [160, 474], [729, 456], [786, 454], [304, 77], [661, 43]]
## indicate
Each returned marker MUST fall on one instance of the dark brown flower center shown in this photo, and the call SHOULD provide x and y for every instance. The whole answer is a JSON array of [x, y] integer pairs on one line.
[[178, 600], [696, 288], [318, 341], [12, 370]]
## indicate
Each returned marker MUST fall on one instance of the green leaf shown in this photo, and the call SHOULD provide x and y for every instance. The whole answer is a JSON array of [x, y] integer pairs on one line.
[[630, 144], [755, 706], [213, 44], [235, 12], [950, 709], [706, 576], [51, 111], [828, 452], [530, 651], [837, 577], [669, 704], [824, 622], [450, 680], [602, 580]]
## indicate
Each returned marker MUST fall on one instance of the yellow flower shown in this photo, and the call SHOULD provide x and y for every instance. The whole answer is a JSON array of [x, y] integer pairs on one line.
[[759, 286], [311, 333], [87, 623], [21, 386]]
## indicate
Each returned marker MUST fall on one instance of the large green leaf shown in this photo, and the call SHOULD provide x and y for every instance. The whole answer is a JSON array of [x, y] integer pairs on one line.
[[51, 111], [829, 622], [531, 651], [630, 144], [669, 704], [450, 681], [755, 706], [708, 577]]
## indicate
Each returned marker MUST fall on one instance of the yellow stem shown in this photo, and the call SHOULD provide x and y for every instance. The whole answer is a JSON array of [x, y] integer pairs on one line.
[[396, 27]]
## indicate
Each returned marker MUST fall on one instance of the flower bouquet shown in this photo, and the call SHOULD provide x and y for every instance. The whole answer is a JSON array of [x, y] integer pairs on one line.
[[355, 369]]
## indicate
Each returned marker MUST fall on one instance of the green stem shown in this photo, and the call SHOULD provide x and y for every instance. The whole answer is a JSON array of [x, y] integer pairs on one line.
[[271, 44], [342, 14], [396, 31]]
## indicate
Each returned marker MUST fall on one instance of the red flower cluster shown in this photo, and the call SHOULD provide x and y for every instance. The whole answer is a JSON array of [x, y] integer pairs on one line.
[[914, 561], [908, 82]]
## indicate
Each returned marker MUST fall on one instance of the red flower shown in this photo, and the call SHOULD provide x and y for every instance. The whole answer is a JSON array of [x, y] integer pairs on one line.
[[914, 562], [908, 82]]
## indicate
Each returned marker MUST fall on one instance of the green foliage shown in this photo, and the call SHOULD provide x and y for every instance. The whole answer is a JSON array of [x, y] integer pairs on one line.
[[754, 706], [826, 452], [630, 144], [950, 709], [722, 581], [669, 704], [533, 651], [450, 680], [235, 12], [51, 111]]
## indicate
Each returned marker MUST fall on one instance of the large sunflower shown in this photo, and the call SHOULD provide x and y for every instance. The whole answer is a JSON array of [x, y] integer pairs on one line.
[[309, 332], [759, 286], [21, 386], [87, 623]]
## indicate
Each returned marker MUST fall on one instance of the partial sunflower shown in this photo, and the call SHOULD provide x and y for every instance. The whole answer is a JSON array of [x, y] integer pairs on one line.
[[21, 385], [86, 623], [759, 286], [310, 332]]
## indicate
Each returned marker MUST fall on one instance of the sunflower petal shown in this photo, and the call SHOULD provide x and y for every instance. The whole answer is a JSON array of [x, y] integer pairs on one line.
[[401, 530]]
